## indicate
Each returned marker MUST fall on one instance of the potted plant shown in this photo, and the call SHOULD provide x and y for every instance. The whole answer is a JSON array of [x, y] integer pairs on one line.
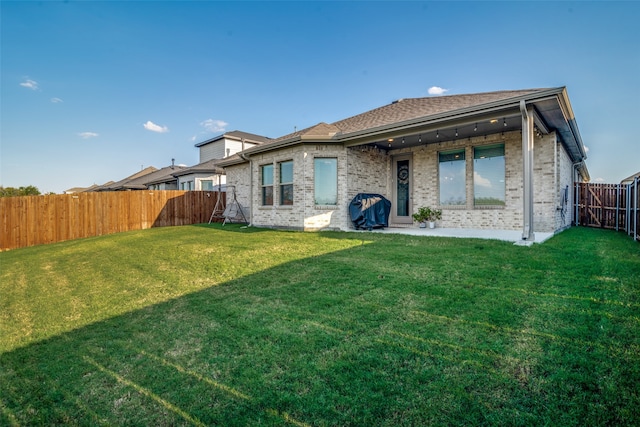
[[426, 214]]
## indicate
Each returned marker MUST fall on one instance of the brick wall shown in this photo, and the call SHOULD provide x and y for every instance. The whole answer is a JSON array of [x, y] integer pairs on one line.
[[368, 170]]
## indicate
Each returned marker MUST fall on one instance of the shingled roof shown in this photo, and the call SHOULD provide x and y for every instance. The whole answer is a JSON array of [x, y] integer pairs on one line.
[[210, 166], [411, 112], [402, 110], [413, 108]]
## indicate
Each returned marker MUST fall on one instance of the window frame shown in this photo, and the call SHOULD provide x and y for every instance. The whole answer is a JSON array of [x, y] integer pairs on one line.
[[463, 161], [320, 183], [266, 190], [285, 188], [477, 150]]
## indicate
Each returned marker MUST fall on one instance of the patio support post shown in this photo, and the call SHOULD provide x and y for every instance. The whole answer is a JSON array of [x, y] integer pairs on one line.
[[527, 173]]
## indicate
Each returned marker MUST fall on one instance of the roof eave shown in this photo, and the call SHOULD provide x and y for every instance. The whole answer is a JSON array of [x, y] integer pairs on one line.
[[460, 114]]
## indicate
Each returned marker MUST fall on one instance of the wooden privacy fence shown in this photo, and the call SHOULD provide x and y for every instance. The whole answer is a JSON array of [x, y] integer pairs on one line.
[[34, 220], [612, 206]]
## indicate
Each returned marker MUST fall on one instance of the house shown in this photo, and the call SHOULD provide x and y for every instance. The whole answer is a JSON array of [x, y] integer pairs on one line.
[[228, 144], [149, 178], [206, 175], [75, 190], [112, 186], [497, 160], [631, 179]]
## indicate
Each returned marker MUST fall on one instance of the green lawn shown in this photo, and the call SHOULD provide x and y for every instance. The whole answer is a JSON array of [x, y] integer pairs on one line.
[[204, 325]]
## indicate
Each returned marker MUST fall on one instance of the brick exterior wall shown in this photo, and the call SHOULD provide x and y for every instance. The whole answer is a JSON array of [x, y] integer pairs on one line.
[[369, 170]]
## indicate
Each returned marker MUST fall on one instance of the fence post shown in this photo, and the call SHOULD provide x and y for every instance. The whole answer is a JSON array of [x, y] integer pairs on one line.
[[628, 210], [635, 214], [617, 206], [576, 197]]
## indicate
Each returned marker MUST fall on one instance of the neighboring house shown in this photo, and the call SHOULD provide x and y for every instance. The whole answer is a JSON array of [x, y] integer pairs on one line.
[[228, 144], [496, 160], [80, 189], [148, 178], [162, 179], [111, 185], [631, 179], [206, 176]]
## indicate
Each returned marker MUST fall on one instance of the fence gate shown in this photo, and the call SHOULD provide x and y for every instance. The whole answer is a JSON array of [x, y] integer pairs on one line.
[[611, 206]]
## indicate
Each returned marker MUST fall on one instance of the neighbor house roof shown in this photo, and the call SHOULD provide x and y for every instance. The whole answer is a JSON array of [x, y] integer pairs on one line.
[[210, 166], [238, 136], [157, 177], [426, 114], [111, 185], [630, 179]]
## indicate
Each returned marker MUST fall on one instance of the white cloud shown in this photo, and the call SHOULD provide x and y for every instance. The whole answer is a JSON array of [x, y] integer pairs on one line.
[[87, 135], [586, 149], [598, 179], [212, 125], [56, 100], [478, 179], [436, 90], [31, 84], [155, 128]]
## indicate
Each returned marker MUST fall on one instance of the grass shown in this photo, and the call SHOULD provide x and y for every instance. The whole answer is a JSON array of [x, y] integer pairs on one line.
[[204, 325]]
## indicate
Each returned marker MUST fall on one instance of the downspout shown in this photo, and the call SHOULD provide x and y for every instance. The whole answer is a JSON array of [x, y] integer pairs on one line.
[[556, 188], [247, 159], [527, 172]]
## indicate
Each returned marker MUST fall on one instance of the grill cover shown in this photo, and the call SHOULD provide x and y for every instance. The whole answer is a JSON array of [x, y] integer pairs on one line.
[[369, 211]]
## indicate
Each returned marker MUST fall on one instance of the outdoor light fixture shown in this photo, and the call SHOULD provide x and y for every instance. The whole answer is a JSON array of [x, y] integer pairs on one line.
[[403, 140], [456, 131], [493, 121], [475, 129], [437, 134], [504, 122], [419, 138]]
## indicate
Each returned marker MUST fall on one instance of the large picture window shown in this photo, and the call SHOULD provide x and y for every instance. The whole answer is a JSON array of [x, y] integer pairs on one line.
[[266, 173], [452, 178], [489, 176], [286, 183], [326, 181]]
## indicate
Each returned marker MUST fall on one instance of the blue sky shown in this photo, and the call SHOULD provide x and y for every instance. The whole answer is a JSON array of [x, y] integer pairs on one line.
[[93, 91]]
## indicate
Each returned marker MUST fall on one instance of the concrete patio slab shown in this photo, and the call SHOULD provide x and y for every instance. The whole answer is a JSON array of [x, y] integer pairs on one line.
[[514, 236]]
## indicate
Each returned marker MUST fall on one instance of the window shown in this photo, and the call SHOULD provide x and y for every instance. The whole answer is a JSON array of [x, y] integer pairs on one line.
[[452, 178], [326, 181], [267, 184], [206, 185], [286, 183], [489, 176]]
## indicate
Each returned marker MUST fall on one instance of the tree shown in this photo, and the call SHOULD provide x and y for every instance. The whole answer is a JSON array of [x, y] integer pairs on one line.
[[29, 190]]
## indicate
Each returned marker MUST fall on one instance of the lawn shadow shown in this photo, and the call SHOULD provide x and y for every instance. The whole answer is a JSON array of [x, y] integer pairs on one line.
[[327, 340]]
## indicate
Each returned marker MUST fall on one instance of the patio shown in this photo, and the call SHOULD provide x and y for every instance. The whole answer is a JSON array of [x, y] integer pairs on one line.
[[514, 236]]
